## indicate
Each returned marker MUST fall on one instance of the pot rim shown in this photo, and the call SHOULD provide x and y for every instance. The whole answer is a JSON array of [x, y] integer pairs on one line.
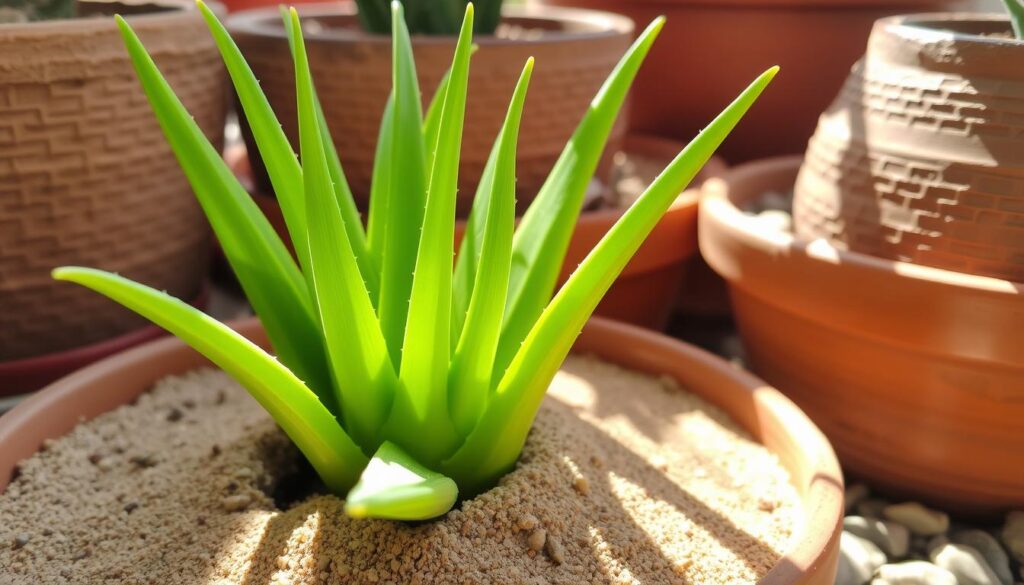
[[596, 24], [65, 361], [922, 27], [923, 306], [718, 208], [770, 417], [161, 10]]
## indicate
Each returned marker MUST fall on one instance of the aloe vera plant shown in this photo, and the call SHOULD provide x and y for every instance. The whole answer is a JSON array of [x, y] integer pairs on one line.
[[406, 383]]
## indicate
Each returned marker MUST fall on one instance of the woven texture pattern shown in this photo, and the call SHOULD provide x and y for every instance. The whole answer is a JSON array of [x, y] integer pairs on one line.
[[353, 77], [923, 163], [86, 177]]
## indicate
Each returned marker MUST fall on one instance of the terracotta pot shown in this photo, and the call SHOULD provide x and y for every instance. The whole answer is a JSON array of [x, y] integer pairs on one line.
[[767, 415], [711, 49], [647, 290], [30, 374], [914, 373], [86, 176], [575, 52], [919, 157]]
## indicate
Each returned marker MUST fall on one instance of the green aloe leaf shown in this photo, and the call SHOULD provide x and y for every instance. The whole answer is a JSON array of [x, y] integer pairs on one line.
[[282, 166], [293, 406], [376, 223], [432, 122], [422, 406], [342, 192], [396, 487], [359, 360], [544, 232], [404, 197], [469, 379], [1016, 11], [494, 445], [268, 274]]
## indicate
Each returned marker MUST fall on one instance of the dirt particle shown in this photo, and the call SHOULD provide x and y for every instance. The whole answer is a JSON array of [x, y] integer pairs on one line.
[[221, 397], [175, 415], [527, 522], [536, 539], [95, 458], [215, 451], [581, 485], [766, 505], [143, 461], [131, 507], [82, 554], [189, 404], [236, 502], [554, 549], [20, 541]]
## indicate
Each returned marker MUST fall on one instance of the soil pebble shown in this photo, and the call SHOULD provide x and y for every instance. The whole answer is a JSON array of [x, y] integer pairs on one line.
[[913, 573], [859, 558], [1013, 535], [990, 549], [966, 564], [891, 537], [919, 519]]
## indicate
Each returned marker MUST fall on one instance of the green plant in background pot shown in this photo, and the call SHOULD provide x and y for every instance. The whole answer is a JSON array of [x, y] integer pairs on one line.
[[440, 17], [32, 10], [406, 384]]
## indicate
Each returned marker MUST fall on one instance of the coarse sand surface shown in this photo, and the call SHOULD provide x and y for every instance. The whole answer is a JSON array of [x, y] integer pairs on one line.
[[625, 478]]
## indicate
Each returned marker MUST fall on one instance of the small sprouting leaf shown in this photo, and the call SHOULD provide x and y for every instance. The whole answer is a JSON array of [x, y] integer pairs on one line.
[[544, 232], [272, 282], [422, 405], [492, 448], [405, 193], [364, 377], [298, 411], [396, 487], [469, 379]]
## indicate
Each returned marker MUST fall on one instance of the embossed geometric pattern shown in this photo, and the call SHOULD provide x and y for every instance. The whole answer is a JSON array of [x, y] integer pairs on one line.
[[922, 164], [353, 78], [86, 177]]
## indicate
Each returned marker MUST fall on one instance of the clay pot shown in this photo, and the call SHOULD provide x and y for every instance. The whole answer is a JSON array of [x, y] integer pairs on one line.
[[647, 289], [86, 176], [711, 49], [919, 157], [913, 372], [767, 415], [575, 52], [237, 5]]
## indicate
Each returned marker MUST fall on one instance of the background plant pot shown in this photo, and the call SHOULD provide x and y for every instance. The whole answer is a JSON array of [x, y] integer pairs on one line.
[[237, 5], [575, 52], [919, 158], [914, 373], [767, 415], [26, 375], [86, 176], [647, 290], [718, 46]]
